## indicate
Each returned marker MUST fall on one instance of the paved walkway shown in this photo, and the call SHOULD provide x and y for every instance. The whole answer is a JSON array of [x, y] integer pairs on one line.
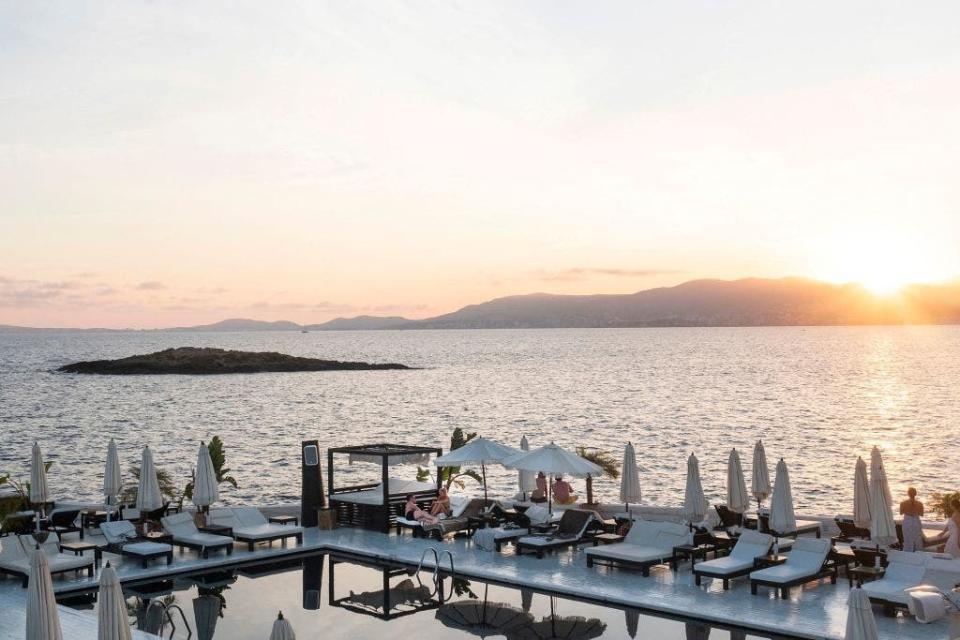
[[816, 611]]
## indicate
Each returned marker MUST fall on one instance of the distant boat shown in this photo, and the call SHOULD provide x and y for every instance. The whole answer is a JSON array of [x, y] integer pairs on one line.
[[304, 331]]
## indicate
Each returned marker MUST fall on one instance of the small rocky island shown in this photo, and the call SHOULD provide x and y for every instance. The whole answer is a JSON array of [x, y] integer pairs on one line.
[[203, 361]]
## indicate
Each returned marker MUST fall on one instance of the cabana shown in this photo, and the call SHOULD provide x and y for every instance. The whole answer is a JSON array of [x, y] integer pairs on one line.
[[375, 506]]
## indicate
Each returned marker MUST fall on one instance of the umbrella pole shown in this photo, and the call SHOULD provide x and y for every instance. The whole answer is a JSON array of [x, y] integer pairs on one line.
[[483, 468], [550, 496]]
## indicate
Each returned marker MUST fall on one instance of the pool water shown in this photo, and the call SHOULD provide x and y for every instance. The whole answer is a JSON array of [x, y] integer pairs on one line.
[[333, 596]]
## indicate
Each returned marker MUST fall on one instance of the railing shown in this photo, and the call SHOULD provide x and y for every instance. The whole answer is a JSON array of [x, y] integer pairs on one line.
[[167, 608]]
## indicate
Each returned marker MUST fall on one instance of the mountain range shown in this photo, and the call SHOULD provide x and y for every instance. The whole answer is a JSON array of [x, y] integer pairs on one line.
[[698, 303]]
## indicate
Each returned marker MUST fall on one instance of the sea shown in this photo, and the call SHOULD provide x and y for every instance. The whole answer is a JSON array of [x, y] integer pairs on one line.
[[818, 397]]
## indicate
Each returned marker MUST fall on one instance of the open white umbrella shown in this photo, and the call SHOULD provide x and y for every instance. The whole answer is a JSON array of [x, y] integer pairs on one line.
[[883, 530], [629, 478], [554, 460], [148, 489], [861, 495], [783, 520], [738, 500], [205, 488], [112, 621], [860, 622], [695, 503], [43, 619], [760, 484], [112, 475], [39, 493], [282, 629], [876, 468], [478, 451], [528, 479]]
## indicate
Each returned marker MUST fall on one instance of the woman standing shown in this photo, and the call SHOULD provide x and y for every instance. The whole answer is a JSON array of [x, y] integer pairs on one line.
[[912, 510]]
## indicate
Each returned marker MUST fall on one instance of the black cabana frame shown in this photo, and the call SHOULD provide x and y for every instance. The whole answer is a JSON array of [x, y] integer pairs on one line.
[[380, 517]]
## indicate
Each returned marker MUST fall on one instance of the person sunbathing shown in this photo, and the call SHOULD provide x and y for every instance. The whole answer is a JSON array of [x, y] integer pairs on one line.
[[441, 506], [540, 493], [563, 492], [412, 511]]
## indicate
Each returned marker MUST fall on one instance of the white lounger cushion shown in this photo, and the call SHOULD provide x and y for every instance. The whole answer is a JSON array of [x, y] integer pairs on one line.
[[750, 545], [905, 570], [121, 532], [14, 555], [806, 559], [183, 529], [248, 522], [646, 541], [942, 571]]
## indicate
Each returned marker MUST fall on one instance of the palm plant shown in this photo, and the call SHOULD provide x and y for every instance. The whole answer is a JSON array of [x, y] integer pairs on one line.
[[219, 458], [452, 475], [603, 459]]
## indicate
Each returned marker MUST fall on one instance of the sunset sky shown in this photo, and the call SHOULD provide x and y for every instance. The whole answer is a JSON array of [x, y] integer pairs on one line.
[[170, 163]]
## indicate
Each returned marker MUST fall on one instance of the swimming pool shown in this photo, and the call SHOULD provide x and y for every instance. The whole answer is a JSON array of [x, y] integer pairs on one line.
[[345, 596]]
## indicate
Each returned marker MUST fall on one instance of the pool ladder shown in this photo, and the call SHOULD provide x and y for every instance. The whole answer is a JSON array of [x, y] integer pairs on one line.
[[436, 562], [167, 608]]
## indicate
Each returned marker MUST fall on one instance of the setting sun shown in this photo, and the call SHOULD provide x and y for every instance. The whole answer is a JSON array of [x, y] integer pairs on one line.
[[883, 261]]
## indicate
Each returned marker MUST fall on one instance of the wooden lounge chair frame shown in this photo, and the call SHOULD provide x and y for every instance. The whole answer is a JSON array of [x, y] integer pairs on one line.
[[560, 540], [827, 570]]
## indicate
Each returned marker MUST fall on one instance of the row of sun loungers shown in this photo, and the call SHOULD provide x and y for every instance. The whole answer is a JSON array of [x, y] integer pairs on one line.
[[16, 550]]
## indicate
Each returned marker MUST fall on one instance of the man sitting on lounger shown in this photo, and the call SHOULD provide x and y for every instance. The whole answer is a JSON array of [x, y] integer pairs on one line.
[[563, 492], [412, 511]]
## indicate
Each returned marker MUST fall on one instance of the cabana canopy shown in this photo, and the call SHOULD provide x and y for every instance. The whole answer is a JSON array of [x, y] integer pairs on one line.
[[374, 506]]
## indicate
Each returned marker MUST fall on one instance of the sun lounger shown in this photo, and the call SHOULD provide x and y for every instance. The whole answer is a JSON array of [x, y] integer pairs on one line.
[[15, 558], [803, 526], [186, 534], [646, 544], [472, 509], [727, 517], [904, 570], [809, 560], [849, 531], [122, 539], [248, 525], [741, 561], [458, 504], [64, 521], [569, 531]]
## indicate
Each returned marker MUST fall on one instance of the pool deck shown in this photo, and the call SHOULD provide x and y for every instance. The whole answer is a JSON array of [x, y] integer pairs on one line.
[[818, 610]]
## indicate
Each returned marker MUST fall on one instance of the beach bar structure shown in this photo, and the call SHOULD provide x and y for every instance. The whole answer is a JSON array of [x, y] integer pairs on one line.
[[375, 506]]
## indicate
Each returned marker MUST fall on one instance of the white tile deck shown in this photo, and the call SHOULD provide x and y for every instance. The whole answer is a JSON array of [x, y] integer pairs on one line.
[[816, 611]]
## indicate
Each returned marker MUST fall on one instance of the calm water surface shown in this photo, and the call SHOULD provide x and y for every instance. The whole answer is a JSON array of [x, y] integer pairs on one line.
[[817, 396]]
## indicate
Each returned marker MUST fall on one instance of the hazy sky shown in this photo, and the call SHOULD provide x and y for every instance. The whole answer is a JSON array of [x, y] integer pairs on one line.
[[179, 162]]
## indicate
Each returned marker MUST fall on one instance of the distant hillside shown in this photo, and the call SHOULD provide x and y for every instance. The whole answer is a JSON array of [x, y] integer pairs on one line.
[[699, 303], [749, 302], [242, 324], [360, 323]]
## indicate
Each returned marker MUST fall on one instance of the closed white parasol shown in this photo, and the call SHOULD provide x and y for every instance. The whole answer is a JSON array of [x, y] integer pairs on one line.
[[783, 520], [695, 503], [629, 478], [877, 469], [861, 495], [112, 475], [205, 488], [112, 621], [760, 484], [527, 479], [282, 630], [148, 489], [883, 530], [738, 500], [860, 622], [39, 493], [43, 620]]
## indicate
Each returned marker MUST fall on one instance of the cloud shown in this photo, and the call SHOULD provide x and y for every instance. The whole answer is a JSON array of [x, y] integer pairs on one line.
[[582, 273], [150, 285], [16, 292]]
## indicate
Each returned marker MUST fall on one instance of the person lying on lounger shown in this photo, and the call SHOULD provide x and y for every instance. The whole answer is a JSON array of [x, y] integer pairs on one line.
[[412, 511], [441, 506], [563, 492]]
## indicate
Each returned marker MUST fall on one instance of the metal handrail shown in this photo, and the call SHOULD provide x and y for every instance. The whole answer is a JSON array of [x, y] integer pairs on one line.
[[166, 610], [436, 562]]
